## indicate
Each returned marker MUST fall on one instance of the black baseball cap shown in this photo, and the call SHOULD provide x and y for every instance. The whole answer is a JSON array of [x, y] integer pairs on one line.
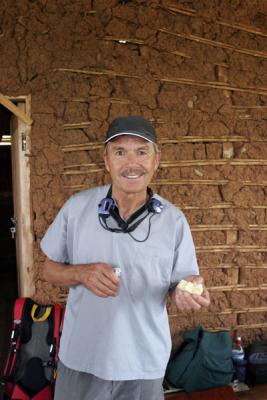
[[135, 125]]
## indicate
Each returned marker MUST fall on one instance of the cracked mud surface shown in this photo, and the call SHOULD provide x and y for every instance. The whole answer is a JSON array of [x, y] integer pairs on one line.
[[208, 102]]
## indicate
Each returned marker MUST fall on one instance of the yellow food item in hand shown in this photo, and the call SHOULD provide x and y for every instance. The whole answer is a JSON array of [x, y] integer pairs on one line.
[[193, 288]]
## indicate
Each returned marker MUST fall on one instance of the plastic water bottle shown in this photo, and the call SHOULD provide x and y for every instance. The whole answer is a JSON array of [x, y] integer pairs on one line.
[[237, 350], [240, 364]]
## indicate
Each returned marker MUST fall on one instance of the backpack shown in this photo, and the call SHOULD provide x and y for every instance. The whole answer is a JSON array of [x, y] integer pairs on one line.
[[203, 361], [30, 368], [257, 362]]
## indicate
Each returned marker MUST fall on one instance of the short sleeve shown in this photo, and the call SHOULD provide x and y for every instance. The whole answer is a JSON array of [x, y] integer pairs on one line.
[[185, 262], [54, 242]]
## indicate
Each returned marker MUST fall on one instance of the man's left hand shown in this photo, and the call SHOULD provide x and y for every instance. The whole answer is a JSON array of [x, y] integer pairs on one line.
[[186, 301]]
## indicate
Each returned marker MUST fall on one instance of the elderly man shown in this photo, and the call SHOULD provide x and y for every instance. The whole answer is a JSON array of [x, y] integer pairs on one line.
[[120, 249]]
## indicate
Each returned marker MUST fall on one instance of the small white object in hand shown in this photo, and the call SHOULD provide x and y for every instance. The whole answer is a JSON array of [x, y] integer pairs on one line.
[[193, 288], [117, 272]]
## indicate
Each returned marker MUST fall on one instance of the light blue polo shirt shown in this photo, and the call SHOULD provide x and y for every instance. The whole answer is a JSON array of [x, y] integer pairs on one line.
[[124, 337]]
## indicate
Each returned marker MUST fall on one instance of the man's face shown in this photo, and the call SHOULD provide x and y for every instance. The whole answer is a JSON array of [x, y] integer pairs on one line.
[[131, 162]]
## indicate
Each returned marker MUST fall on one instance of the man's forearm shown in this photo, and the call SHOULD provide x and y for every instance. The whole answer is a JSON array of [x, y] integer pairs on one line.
[[61, 274]]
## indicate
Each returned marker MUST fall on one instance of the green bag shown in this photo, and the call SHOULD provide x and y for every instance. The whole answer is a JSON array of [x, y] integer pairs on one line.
[[203, 361]]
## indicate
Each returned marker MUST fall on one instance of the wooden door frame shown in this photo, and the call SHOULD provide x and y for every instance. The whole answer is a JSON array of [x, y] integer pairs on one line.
[[20, 149]]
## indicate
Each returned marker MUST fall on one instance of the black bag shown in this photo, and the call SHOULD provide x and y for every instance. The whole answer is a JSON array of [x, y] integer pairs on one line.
[[257, 362], [203, 361]]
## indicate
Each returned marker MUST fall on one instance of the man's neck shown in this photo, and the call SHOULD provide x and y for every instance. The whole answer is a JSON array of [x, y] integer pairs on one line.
[[128, 203]]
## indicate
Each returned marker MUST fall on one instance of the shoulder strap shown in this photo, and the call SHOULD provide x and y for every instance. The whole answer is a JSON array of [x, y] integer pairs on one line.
[[18, 308], [43, 317], [58, 317], [15, 341], [58, 321]]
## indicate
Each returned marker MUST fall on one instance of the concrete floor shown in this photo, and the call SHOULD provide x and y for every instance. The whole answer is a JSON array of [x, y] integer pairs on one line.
[[258, 392]]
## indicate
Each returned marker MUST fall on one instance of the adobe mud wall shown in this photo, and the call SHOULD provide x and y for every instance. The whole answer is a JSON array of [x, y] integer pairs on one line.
[[197, 70]]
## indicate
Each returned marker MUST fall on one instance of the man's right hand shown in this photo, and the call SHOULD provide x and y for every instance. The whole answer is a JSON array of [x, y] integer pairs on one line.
[[99, 278]]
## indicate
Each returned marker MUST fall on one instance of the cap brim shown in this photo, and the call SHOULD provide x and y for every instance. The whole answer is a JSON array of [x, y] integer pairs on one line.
[[130, 134]]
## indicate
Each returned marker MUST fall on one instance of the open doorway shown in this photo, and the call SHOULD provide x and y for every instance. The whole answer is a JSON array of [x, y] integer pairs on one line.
[[8, 262], [16, 238]]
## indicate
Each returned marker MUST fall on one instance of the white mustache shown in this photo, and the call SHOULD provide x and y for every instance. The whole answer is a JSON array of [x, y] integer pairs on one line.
[[133, 171]]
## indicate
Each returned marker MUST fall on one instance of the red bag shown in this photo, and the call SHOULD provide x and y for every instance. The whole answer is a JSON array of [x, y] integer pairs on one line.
[[30, 369]]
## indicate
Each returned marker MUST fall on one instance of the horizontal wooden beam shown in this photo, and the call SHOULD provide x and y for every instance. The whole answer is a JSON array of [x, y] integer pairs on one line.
[[211, 182], [233, 328], [83, 172], [245, 107], [251, 326], [213, 85], [220, 206], [81, 147], [186, 182], [96, 72], [241, 27], [196, 163], [221, 227], [262, 325], [181, 54], [78, 125], [244, 310], [180, 182], [75, 187], [227, 266], [237, 287], [181, 163], [177, 10], [118, 100], [214, 43], [4, 100], [209, 139], [229, 311], [227, 248], [165, 141]]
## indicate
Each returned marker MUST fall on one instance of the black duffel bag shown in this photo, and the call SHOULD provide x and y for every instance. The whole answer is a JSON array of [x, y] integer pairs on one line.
[[257, 362]]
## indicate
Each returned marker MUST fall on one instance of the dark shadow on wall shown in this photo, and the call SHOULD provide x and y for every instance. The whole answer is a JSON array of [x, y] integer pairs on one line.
[[8, 267]]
